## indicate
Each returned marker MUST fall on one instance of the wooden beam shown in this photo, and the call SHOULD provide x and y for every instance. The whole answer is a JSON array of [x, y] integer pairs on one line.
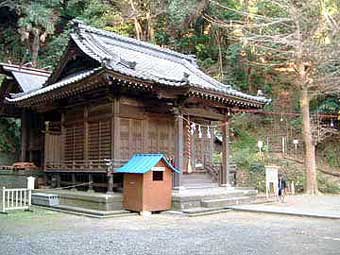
[[203, 113]]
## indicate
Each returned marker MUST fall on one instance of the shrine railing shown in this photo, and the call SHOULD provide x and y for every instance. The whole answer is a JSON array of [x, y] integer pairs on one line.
[[81, 165], [213, 170], [77, 165], [15, 199]]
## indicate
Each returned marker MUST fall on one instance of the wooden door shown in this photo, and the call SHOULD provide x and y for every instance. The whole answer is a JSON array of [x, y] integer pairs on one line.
[[99, 140], [131, 137], [53, 149]]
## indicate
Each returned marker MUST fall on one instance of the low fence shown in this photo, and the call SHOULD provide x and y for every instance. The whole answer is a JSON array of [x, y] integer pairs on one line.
[[15, 199]]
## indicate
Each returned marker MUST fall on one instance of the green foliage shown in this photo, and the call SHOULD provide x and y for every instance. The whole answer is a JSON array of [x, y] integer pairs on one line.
[[244, 149], [9, 135], [97, 13], [179, 11], [54, 50], [37, 15], [10, 45], [330, 152], [329, 105], [246, 156], [327, 185], [2, 77]]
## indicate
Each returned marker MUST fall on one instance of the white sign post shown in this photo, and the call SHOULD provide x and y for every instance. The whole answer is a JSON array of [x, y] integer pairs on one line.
[[30, 182], [271, 179]]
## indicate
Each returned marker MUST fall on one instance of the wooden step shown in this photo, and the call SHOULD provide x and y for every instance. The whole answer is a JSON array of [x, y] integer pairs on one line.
[[223, 202], [200, 185], [202, 211]]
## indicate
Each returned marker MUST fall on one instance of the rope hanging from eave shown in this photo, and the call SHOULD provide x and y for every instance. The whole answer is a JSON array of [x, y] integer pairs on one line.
[[193, 124]]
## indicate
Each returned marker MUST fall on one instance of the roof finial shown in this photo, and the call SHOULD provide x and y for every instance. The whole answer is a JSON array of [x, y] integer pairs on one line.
[[185, 77], [132, 64], [76, 23]]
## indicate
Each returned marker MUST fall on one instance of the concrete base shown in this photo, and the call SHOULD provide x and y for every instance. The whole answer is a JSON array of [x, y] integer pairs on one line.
[[178, 188], [182, 199], [95, 201], [217, 197], [145, 213]]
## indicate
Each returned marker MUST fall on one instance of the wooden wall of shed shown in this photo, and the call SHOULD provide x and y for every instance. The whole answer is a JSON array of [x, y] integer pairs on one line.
[[157, 194], [133, 192]]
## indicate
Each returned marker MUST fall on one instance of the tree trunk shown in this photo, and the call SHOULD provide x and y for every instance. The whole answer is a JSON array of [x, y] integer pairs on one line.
[[138, 27], [310, 161], [220, 55], [151, 30], [35, 47]]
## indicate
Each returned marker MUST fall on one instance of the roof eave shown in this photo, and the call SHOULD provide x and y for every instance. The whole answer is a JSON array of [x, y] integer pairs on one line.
[[58, 92], [224, 98]]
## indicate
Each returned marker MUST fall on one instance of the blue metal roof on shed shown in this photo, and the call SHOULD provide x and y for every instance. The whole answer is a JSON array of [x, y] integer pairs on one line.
[[143, 163]]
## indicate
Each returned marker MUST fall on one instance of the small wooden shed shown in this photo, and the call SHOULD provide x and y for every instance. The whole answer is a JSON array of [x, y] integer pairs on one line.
[[147, 183]]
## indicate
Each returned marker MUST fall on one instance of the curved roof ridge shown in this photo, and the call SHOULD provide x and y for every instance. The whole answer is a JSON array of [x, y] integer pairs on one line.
[[81, 26], [206, 77], [22, 68]]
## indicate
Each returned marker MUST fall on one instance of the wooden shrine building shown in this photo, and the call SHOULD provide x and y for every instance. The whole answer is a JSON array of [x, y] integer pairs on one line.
[[20, 80], [111, 97]]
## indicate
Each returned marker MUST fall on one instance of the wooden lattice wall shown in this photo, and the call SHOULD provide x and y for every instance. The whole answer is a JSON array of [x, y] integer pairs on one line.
[[88, 135]]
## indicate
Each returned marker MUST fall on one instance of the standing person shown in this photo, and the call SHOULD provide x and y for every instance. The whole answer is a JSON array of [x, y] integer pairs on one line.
[[281, 188]]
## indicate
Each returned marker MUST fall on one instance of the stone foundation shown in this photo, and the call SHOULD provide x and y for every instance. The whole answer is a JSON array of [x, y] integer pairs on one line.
[[211, 197], [96, 201]]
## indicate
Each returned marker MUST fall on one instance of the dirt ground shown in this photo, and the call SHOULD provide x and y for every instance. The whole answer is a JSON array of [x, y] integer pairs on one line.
[[46, 232]]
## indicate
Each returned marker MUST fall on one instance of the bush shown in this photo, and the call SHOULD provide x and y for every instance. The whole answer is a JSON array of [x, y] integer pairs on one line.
[[326, 185]]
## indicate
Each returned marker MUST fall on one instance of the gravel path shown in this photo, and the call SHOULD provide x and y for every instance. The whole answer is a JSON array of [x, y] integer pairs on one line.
[[53, 233]]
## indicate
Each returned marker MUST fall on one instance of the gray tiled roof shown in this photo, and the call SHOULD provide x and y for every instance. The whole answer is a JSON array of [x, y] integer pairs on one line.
[[64, 82], [148, 61], [144, 61], [28, 78]]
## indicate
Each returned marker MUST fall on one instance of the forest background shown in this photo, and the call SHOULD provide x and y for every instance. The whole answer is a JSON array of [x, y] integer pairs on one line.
[[36, 32]]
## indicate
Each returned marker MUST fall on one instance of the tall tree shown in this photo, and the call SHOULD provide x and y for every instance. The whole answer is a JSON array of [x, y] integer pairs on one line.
[[143, 15], [300, 38], [36, 23]]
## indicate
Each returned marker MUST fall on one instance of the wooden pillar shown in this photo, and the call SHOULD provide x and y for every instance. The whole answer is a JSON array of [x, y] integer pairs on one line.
[[115, 133], [90, 183], [179, 150], [30, 119], [109, 183], [58, 180], [224, 172], [74, 182], [63, 138], [23, 136], [86, 136]]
